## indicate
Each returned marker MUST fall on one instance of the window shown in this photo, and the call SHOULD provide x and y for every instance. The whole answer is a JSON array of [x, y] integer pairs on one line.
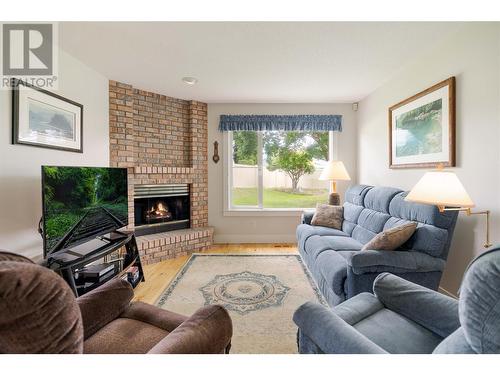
[[277, 169]]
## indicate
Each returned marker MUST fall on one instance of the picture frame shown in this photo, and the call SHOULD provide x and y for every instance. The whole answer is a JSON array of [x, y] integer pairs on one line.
[[44, 119], [422, 128]]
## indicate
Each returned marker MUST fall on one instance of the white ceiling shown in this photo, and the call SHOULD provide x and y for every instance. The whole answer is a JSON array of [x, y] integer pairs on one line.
[[253, 61]]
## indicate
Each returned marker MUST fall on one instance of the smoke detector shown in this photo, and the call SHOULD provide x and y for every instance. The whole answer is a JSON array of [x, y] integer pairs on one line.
[[190, 80]]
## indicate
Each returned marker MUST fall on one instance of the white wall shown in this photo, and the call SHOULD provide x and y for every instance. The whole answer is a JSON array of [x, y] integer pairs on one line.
[[473, 57], [20, 185], [258, 228]]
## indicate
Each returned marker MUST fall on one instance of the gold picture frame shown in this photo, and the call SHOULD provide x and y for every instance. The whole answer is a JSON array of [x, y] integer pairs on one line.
[[422, 128]]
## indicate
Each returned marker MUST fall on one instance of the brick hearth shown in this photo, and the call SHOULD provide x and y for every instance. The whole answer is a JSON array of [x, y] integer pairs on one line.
[[162, 140], [160, 246]]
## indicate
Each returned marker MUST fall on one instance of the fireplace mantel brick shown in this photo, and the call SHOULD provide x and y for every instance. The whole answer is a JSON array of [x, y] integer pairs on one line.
[[162, 140]]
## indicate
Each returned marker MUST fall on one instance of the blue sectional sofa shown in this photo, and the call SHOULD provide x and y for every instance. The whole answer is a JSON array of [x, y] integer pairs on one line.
[[342, 271]]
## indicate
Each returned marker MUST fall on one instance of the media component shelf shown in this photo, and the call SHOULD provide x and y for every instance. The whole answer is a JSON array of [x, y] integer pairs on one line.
[[95, 262]]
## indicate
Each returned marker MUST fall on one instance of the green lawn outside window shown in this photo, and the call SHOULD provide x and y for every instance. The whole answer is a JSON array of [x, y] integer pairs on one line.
[[278, 198]]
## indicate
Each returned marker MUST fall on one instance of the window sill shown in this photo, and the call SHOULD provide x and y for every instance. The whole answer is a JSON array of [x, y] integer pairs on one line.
[[297, 212]]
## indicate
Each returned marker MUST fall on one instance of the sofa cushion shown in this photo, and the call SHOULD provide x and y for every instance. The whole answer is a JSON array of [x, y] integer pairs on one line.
[[351, 215], [356, 194], [316, 245], [391, 239], [390, 331], [313, 246], [423, 213], [351, 212], [341, 243], [139, 337], [348, 227], [362, 235], [347, 254], [305, 231], [395, 222], [328, 216], [379, 198], [358, 308], [373, 220], [429, 239], [324, 231], [369, 261]]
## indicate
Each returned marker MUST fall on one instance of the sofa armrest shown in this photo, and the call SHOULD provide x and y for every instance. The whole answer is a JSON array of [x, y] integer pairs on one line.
[[330, 333], [207, 331], [104, 304], [375, 261], [431, 309], [307, 217]]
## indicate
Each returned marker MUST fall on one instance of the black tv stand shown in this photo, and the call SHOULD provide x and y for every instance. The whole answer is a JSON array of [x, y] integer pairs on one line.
[[117, 249]]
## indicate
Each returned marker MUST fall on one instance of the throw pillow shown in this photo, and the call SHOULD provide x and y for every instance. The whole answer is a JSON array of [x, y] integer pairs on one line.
[[328, 216], [391, 239]]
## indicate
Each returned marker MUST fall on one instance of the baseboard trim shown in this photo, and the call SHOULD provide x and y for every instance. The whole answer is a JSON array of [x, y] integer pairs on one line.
[[248, 238], [449, 294]]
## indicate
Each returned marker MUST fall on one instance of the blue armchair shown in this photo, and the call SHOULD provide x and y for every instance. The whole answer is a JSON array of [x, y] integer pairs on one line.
[[403, 317]]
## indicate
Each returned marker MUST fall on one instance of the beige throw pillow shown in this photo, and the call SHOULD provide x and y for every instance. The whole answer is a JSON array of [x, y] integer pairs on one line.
[[328, 216], [391, 239]]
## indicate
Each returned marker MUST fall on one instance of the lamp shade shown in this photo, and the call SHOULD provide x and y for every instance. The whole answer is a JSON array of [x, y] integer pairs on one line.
[[334, 170], [441, 189]]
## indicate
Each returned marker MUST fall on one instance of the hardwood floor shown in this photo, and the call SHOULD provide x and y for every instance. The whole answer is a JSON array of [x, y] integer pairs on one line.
[[159, 275]]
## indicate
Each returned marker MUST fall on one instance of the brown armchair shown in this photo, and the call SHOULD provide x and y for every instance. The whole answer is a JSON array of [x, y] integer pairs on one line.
[[39, 314]]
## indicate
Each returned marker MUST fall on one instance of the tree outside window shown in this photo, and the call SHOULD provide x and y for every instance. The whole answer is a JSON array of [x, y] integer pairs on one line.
[[290, 163]]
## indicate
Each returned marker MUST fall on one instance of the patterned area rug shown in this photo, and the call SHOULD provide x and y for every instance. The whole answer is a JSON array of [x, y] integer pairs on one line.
[[261, 293]]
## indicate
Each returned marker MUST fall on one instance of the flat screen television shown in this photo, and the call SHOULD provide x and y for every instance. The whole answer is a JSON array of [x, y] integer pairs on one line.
[[81, 203]]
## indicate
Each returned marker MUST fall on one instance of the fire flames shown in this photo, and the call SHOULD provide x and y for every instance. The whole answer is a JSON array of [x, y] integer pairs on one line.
[[157, 211]]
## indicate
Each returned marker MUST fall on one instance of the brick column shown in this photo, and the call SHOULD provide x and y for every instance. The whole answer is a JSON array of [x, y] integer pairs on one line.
[[121, 124], [199, 150], [162, 140]]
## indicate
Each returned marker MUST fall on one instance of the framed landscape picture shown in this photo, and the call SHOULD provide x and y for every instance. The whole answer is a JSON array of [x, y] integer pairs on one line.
[[422, 128], [44, 119]]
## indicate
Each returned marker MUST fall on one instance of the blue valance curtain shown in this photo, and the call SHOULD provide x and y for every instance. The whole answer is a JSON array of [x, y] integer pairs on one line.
[[280, 122]]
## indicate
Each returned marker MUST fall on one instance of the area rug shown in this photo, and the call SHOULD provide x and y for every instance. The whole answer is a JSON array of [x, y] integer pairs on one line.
[[261, 293]]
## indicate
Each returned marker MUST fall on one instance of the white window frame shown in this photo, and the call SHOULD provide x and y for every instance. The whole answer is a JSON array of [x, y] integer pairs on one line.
[[227, 160]]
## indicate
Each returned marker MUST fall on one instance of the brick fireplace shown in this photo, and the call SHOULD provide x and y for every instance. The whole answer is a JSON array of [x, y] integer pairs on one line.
[[163, 142]]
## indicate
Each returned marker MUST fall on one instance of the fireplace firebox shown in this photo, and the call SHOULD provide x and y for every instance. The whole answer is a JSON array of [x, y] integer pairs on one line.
[[161, 208]]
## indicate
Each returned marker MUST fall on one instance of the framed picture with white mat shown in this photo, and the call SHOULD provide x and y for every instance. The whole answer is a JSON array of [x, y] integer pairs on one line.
[[44, 119]]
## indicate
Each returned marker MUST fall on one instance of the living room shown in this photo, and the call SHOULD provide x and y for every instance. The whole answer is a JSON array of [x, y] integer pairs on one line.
[[307, 186]]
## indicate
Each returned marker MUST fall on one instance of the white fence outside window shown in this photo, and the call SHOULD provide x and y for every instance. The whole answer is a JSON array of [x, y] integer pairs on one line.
[[246, 176]]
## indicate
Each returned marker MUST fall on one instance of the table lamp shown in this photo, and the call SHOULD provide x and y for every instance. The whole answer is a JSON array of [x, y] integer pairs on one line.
[[445, 190], [334, 171]]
